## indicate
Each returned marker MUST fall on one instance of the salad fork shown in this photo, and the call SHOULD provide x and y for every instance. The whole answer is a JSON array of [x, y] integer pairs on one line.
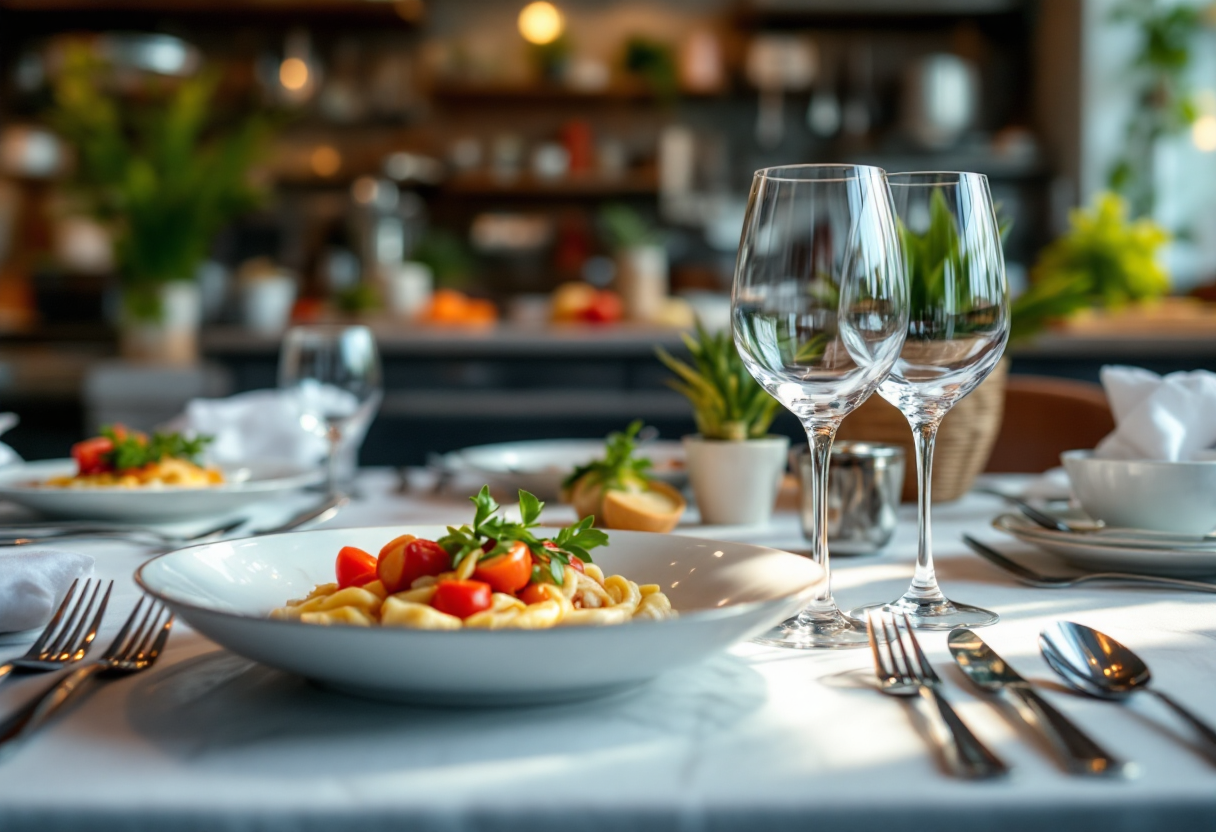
[[903, 670], [69, 634], [136, 647]]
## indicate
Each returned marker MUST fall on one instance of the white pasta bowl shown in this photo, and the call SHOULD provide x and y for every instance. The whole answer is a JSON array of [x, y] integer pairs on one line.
[[724, 593]]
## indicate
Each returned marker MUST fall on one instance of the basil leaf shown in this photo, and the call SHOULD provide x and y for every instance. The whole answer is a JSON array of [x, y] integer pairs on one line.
[[529, 508]]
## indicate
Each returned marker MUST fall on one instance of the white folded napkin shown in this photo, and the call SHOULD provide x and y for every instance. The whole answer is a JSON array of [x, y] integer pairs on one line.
[[32, 584], [280, 425], [8, 456], [1170, 418]]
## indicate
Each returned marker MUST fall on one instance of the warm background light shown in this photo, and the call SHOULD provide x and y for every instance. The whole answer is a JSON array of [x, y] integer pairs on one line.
[[293, 74], [540, 23], [1203, 133], [325, 161]]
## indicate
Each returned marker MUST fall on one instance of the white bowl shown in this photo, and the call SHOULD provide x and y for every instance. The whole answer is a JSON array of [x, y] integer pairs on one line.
[[724, 593], [245, 485], [1145, 494]]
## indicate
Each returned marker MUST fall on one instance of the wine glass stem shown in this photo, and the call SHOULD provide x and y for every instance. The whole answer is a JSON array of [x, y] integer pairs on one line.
[[333, 435], [924, 582], [820, 435]]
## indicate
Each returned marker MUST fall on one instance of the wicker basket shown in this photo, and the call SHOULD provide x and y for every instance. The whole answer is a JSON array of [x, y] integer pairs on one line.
[[964, 440]]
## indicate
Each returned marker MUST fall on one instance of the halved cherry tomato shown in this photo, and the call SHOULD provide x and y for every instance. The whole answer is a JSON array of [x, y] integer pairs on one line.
[[506, 572], [406, 559], [578, 564], [461, 598], [533, 594], [88, 455], [355, 567]]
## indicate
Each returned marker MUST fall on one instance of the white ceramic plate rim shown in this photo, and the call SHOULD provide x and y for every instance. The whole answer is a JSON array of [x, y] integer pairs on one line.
[[297, 477], [1152, 541], [461, 459], [1088, 456], [728, 611]]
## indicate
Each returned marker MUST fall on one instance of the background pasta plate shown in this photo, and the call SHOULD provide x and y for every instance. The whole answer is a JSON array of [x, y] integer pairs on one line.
[[724, 593], [256, 481]]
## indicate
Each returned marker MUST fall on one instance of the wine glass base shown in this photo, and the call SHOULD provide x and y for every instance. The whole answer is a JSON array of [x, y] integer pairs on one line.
[[816, 631], [931, 614]]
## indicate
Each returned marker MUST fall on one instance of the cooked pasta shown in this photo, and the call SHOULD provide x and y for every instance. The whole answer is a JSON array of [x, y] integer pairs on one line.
[[493, 575]]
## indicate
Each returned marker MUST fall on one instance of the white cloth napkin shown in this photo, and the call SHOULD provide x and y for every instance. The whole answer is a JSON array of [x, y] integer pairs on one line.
[[262, 425], [1170, 418], [33, 582]]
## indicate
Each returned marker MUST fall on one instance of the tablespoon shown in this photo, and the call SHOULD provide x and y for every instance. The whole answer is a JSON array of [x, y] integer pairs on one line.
[[1096, 664], [1096, 528], [1029, 577]]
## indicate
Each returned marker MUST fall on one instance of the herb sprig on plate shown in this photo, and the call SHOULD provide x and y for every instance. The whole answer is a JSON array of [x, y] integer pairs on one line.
[[548, 554], [135, 450]]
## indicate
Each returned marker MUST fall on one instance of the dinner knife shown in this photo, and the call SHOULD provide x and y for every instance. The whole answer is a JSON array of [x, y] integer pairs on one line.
[[988, 671], [316, 515]]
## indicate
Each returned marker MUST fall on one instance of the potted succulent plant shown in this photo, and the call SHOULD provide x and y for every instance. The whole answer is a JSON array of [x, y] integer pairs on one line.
[[164, 179], [734, 465]]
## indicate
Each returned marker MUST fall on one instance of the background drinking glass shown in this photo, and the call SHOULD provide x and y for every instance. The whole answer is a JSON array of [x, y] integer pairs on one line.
[[336, 373], [957, 327], [820, 314]]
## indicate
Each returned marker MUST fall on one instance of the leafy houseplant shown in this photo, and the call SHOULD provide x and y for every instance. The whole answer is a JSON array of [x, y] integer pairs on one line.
[[1105, 260], [641, 261], [734, 465], [157, 170], [727, 402]]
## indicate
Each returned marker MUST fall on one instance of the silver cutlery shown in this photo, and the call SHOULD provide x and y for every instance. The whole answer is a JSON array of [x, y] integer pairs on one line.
[[320, 513], [1097, 529], [108, 531], [136, 647], [1031, 578], [70, 632], [1096, 664], [989, 672], [904, 671]]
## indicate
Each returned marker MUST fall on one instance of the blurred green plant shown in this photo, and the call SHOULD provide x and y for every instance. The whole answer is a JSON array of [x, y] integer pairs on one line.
[[157, 170], [447, 257], [624, 228], [727, 402], [1105, 260], [655, 63], [357, 299], [1165, 104]]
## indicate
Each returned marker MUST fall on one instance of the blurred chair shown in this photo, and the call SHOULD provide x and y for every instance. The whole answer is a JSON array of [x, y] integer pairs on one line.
[[1045, 416]]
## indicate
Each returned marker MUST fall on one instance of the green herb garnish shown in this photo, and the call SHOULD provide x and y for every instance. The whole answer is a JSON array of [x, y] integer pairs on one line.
[[619, 466], [135, 450], [488, 526]]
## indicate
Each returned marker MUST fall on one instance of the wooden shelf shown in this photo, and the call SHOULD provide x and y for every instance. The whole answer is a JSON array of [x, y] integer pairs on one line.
[[623, 92], [635, 183], [90, 11]]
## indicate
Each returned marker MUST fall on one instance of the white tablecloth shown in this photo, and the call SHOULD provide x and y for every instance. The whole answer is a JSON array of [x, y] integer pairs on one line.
[[756, 738]]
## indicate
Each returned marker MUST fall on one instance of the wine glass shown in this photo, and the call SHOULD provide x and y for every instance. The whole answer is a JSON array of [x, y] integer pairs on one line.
[[819, 311], [335, 371], [957, 328]]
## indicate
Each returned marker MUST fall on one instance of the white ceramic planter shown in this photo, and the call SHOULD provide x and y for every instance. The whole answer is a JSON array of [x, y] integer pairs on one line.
[[266, 303], [642, 281], [173, 339], [735, 483]]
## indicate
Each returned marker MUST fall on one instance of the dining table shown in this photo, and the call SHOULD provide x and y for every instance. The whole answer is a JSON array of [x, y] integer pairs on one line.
[[753, 738]]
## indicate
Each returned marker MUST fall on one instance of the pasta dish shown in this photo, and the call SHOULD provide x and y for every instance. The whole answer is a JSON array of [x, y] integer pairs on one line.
[[491, 575], [121, 458]]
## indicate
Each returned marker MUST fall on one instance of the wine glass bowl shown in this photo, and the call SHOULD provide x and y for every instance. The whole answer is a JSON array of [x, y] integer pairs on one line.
[[819, 313], [335, 372]]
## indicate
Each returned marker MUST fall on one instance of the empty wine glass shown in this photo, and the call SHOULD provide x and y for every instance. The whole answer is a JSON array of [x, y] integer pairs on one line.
[[335, 371], [819, 311], [957, 328]]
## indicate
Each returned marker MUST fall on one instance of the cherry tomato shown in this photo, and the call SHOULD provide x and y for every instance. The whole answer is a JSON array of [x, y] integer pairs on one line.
[[461, 598], [506, 572], [88, 455], [533, 594], [355, 567], [577, 563], [406, 559]]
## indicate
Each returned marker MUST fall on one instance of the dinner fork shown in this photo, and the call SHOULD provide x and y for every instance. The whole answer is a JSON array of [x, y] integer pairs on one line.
[[1029, 577], [903, 670], [136, 647], [70, 632]]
